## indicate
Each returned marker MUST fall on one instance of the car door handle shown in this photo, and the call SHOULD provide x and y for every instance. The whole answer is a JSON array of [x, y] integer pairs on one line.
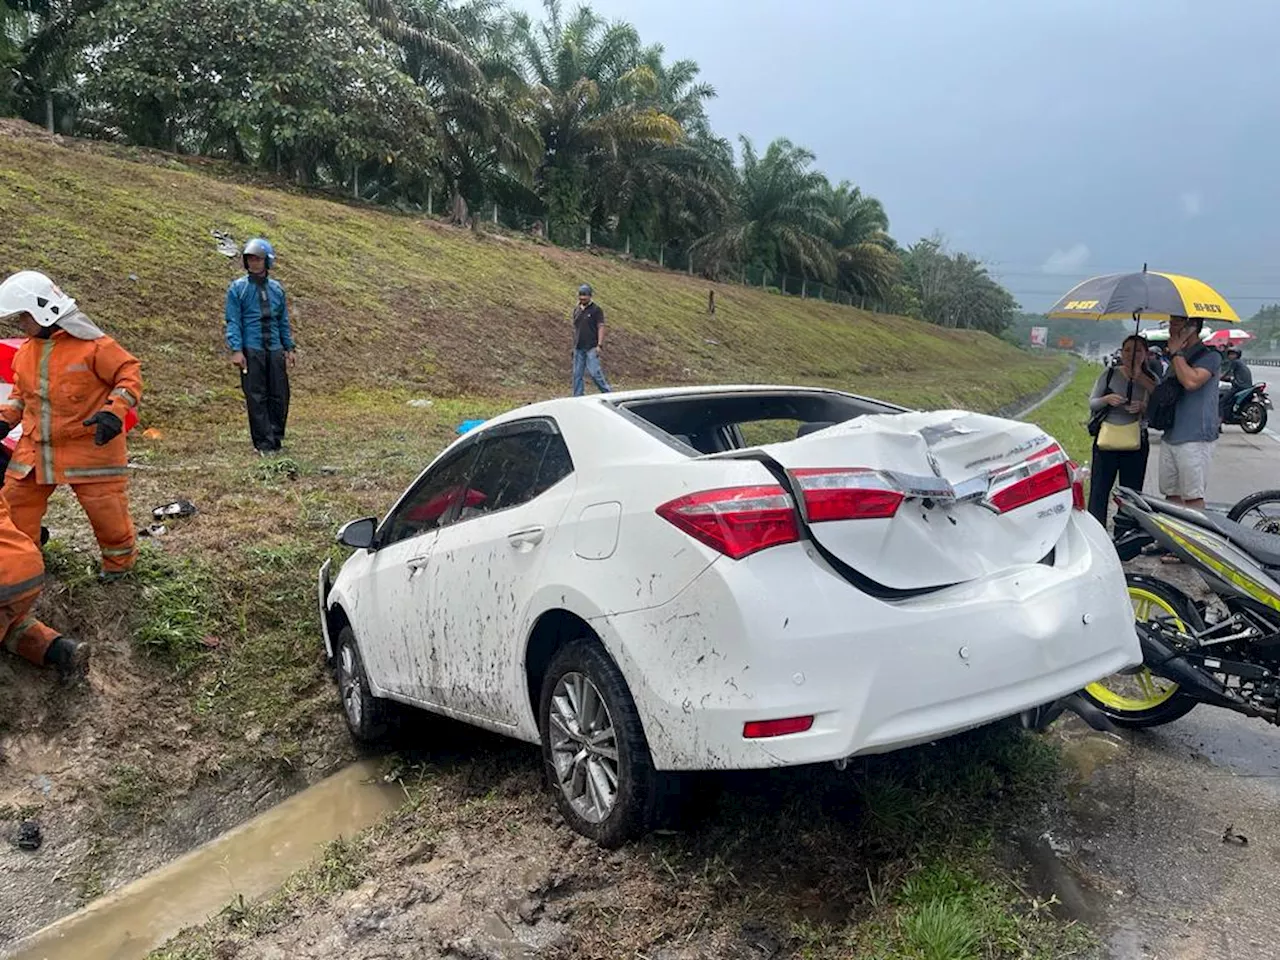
[[417, 565], [527, 538]]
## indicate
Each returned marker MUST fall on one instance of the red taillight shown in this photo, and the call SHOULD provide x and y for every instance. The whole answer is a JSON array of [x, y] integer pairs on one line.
[[758, 729], [851, 493], [737, 521], [1040, 476]]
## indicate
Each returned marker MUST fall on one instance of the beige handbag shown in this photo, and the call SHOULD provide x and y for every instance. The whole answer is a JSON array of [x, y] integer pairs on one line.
[[1120, 436]]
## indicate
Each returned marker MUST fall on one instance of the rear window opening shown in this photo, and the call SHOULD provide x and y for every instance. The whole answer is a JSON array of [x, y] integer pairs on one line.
[[704, 424]]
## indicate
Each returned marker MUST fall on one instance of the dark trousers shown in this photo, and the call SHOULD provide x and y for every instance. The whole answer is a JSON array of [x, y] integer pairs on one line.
[[1129, 465], [266, 394]]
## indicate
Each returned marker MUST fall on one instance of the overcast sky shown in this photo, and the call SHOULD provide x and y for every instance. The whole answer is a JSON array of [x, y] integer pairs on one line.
[[1054, 139]]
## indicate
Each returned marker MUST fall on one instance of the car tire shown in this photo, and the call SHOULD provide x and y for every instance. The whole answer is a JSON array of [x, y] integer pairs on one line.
[[367, 716], [592, 740]]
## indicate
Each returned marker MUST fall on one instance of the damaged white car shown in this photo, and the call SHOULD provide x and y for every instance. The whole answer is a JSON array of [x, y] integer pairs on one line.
[[716, 578]]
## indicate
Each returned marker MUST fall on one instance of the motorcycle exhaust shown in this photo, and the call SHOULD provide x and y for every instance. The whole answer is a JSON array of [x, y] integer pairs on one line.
[[1163, 660], [1039, 718]]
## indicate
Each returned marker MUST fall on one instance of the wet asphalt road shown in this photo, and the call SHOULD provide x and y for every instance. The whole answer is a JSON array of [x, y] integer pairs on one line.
[[1150, 809]]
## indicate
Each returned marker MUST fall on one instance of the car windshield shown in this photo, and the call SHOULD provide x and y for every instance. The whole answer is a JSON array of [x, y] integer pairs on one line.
[[717, 423]]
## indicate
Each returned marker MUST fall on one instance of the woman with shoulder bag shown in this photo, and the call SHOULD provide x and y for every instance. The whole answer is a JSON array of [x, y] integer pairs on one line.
[[1118, 407]]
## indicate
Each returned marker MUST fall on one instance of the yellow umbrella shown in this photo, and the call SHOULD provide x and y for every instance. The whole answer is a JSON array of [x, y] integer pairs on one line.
[[1143, 296]]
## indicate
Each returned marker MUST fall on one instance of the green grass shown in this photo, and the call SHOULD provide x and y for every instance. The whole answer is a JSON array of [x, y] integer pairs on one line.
[[1066, 416]]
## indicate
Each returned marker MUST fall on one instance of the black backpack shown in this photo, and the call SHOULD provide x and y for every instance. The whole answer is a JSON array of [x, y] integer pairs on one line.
[[1164, 398]]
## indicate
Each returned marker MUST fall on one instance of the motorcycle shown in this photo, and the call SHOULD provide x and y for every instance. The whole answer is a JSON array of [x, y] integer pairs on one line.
[[1225, 652], [1248, 409]]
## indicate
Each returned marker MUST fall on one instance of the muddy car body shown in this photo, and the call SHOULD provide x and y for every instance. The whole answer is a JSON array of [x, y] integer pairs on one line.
[[654, 582]]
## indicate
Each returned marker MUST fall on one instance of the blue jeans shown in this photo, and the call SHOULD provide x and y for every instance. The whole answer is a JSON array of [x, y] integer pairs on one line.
[[588, 361]]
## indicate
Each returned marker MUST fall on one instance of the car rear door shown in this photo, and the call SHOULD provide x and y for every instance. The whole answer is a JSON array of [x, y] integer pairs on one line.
[[923, 500], [393, 626], [486, 566]]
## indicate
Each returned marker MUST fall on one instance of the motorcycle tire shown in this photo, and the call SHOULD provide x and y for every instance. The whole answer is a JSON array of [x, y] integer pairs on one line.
[[1253, 417], [1268, 522], [1158, 701]]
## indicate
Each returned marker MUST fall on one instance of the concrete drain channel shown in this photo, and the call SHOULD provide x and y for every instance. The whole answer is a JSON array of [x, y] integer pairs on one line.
[[250, 861]]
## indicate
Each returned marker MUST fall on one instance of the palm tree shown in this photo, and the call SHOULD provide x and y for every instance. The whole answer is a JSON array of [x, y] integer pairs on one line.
[[866, 261], [44, 35], [780, 222], [591, 97]]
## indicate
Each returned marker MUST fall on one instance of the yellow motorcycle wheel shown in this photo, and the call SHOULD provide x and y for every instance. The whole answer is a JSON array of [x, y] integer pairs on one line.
[[1138, 698]]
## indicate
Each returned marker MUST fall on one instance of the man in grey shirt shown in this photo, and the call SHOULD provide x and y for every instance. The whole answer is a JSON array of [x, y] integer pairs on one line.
[[1186, 448]]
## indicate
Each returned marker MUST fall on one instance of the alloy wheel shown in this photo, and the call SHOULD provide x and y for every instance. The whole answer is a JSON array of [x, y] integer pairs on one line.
[[584, 747], [349, 684]]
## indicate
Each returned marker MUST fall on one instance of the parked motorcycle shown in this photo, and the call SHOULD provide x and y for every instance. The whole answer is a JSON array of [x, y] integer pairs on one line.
[[1225, 652], [1248, 409]]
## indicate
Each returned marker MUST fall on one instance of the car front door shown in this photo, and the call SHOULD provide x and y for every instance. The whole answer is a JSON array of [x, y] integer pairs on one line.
[[394, 636], [486, 563]]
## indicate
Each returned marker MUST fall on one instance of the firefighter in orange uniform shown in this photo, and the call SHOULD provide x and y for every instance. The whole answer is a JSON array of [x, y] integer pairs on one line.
[[72, 387], [21, 576]]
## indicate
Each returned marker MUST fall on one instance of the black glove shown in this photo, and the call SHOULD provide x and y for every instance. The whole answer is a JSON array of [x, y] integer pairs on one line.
[[109, 427], [5, 455]]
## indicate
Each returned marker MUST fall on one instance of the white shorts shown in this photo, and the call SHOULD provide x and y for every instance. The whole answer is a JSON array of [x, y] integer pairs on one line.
[[1184, 469]]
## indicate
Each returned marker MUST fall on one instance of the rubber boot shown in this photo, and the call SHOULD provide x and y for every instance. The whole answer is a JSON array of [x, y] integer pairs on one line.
[[68, 657]]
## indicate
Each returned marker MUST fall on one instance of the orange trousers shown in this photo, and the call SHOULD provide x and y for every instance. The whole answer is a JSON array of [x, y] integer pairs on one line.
[[21, 632], [105, 502]]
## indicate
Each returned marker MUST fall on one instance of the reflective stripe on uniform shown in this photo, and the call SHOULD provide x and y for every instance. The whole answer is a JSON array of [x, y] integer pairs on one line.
[[12, 592], [14, 403], [125, 395], [96, 471], [120, 551], [15, 634], [46, 414], [20, 469]]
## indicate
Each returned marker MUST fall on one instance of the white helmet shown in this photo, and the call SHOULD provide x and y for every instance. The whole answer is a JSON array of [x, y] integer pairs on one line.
[[34, 293]]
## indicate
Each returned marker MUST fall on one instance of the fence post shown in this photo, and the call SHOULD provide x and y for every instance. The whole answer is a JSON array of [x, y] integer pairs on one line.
[[764, 278], [355, 181], [691, 264], [804, 286], [495, 213], [430, 199], [627, 251], [588, 234], [661, 256]]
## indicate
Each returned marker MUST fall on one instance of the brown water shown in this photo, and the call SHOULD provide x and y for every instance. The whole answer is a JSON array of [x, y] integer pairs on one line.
[[250, 861]]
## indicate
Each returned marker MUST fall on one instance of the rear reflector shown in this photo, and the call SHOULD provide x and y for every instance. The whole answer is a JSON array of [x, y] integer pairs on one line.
[[737, 521], [852, 493], [1078, 476], [759, 729]]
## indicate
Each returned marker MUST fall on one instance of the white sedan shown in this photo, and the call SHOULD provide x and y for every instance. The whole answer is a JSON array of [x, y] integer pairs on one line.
[[717, 578]]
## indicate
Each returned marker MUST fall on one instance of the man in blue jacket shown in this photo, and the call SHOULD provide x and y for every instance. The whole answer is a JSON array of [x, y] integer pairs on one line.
[[261, 345]]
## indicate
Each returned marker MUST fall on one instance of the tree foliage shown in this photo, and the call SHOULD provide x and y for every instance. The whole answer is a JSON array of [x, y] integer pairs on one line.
[[567, 118]]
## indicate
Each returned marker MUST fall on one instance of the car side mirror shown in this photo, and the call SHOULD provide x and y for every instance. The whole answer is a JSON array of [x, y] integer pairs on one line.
[[358, 534]]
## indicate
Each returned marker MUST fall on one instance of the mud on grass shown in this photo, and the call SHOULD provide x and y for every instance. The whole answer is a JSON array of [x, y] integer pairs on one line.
[[892, 858]]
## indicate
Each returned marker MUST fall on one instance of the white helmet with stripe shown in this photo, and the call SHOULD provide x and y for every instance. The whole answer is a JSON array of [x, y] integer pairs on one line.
[[30, 292]]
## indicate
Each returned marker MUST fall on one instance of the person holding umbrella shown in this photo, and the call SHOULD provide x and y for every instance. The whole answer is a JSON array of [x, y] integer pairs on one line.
[[1186, 447]]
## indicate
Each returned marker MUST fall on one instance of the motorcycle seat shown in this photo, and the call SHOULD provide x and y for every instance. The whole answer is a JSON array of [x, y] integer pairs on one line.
[[1263, 547]]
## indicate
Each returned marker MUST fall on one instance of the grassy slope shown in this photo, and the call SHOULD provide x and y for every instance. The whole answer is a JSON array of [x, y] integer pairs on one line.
[[214, 643]]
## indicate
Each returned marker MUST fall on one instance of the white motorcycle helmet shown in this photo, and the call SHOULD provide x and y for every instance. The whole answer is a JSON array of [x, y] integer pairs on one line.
[[30, 292]]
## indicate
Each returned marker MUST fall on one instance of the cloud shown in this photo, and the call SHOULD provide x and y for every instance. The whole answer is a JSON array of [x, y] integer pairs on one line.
[[1192, 203], [1066, 261]]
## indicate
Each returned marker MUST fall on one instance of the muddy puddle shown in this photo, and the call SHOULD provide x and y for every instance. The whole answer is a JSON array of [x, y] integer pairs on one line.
[[250, 861]]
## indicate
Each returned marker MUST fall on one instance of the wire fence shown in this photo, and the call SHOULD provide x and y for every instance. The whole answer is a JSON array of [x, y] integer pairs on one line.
[[674, 255]]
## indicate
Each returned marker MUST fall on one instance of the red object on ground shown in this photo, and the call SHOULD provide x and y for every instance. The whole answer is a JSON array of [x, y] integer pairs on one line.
[[7, 349]]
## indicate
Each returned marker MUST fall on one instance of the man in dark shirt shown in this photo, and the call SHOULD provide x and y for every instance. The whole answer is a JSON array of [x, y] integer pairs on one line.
[[1236, 373], [588, 333]]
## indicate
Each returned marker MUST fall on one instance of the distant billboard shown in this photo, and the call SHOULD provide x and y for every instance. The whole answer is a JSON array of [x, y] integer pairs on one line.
[[1065, 343], [1039, 336]]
